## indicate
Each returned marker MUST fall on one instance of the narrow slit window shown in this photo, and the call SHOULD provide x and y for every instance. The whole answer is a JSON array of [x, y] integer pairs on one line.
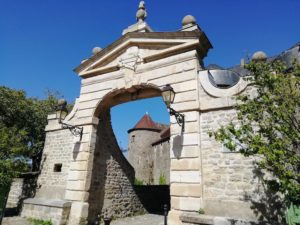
[[57, 167]]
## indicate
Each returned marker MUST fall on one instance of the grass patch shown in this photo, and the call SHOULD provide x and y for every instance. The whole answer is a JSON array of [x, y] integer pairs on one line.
[[34, 221]]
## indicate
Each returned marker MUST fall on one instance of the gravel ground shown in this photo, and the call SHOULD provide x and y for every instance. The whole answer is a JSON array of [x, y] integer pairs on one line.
[[147, 219]]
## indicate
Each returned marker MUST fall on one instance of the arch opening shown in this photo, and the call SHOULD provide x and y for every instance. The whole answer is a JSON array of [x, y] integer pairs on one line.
[[112, 190]]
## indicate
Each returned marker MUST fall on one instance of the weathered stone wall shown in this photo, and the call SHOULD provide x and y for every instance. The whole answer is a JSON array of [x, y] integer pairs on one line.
[[161, 162], [112, 177], [58, 150], [227, 177], [140, 153]]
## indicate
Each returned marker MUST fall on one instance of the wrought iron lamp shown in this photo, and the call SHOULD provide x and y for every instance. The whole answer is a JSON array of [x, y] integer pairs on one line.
[[168, 95], [61, 113]]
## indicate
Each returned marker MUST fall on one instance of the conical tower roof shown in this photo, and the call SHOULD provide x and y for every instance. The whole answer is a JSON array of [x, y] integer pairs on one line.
[[146, 123]]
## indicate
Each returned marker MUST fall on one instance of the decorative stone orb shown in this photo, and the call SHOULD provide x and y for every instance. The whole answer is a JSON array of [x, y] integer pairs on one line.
[[259, 56], [96, 50], [189, 19], [61, 102], [141, 15]]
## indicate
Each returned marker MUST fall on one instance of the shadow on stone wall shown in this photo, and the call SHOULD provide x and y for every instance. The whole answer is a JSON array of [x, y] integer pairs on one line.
[[76, 150], [177, 146], [267, 204]]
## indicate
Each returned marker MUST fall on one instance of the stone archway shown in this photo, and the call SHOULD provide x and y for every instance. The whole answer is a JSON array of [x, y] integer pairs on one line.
[[123, 71], [137, 66]]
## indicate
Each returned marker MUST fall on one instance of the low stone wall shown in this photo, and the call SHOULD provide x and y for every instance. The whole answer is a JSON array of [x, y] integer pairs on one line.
[[20, 189], [154, 197], [198, 219], [56, 210], [15, 193]]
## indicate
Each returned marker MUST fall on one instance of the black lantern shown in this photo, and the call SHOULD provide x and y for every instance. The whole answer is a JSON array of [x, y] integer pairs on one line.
[[168, 95], [61, 113]]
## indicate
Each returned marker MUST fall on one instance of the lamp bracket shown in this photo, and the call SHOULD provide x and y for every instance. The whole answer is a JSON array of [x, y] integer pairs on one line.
[[75, 130], [179, 117]]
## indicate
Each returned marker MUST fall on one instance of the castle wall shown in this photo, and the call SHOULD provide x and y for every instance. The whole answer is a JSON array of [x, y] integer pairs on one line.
[[228, 177], [161, 162]]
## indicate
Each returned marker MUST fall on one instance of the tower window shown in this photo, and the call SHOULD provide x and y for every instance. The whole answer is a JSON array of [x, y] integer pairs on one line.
[[132, 138]]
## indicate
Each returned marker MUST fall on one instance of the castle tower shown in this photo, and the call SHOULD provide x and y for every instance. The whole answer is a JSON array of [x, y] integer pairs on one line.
[[140, 150]]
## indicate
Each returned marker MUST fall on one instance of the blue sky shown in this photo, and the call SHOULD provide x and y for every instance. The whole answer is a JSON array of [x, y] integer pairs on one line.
[[42, 41]]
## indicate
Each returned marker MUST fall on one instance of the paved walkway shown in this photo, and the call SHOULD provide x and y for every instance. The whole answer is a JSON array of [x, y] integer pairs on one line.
[[147, 219]]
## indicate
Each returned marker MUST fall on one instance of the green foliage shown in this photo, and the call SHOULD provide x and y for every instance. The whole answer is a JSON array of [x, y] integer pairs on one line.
[[201, 211], [138, 182], [22, 124], [269, 126], [162, 179], [39, 222]]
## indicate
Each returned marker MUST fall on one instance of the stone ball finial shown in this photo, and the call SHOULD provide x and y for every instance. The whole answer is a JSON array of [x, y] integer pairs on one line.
[[61, 102], [141, 14], [96, 50], [142, 5], [259, 56], [188, 19]]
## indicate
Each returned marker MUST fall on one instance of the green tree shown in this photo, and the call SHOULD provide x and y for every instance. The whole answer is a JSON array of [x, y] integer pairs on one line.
[[269, 126], [22, 124]]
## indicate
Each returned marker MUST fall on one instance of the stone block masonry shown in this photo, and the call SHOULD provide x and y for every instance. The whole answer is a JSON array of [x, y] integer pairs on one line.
[[227, 176], [48, 202], [57, 156], [111, 190]]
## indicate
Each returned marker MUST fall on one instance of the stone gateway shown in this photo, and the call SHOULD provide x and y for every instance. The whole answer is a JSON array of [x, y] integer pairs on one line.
[[83, 177]]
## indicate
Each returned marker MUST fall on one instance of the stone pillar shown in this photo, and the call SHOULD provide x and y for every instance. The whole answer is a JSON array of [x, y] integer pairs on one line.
[[185, 174], [79, 177]]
